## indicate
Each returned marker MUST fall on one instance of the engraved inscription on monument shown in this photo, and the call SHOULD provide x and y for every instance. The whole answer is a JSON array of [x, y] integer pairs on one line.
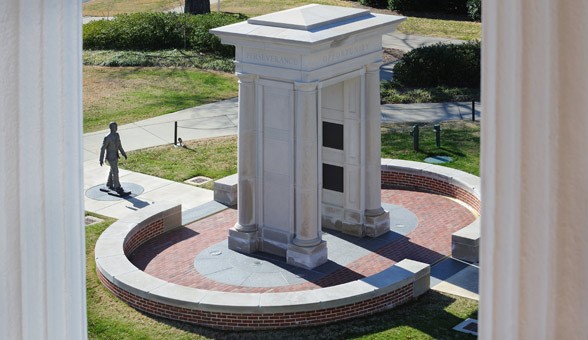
[[264, 58], [344, 53]]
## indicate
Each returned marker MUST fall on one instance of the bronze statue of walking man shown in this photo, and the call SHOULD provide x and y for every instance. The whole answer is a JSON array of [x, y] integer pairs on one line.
[[112, 145]]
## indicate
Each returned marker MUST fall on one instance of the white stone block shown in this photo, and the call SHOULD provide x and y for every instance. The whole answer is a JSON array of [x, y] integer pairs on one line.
[[226, 190]]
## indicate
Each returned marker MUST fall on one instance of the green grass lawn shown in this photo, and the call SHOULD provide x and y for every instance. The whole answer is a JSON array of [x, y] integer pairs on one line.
[[459, 140], [455, 29], [214, 158], [431, 316], [106, 8], [129, 94]]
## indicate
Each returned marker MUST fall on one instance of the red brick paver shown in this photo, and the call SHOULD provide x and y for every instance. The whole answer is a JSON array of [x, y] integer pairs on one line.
[[171, 256]]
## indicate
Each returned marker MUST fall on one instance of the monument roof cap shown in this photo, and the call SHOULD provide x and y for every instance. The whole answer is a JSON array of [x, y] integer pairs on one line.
[[309, 17], [307, 26]]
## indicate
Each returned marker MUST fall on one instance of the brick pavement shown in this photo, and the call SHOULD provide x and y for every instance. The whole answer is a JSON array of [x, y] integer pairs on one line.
[[171, 256]]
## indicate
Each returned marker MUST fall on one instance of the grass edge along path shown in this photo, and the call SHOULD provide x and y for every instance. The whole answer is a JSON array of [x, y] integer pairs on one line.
[[431, 316]]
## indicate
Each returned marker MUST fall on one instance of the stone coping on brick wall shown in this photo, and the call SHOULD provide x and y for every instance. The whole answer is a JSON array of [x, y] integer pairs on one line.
[[462, 186], [453, 177], [129, 282]]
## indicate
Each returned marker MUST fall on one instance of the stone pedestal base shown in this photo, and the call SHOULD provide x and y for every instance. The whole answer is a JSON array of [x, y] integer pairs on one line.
[[377, 225], [243, 242], [346, 221], [465, 243], [225, 190], [354, 229], [307, 257]]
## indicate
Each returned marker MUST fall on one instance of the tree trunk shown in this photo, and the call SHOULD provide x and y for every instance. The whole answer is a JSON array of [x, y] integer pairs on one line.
[[197, 6]]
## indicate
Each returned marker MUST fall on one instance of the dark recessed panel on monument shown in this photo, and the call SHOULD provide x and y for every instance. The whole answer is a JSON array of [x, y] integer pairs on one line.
[[333, 177], [333, 135]]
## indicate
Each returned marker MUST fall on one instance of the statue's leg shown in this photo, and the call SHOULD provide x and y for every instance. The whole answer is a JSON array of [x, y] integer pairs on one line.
[[114, 171], [109, 180]]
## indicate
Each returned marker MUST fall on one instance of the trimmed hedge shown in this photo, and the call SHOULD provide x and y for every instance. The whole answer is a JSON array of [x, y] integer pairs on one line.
[[453, 65], [475, 9], [375, 3], [159, 31], [447, 6]]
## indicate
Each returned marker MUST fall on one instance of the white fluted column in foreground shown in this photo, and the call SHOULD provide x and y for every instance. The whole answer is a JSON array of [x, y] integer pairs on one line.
[[42, 254], [377, 220], [243, 237], [308, 250], [534, 241]]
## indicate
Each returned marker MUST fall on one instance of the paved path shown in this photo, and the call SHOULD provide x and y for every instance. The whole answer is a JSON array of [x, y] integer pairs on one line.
[[405, 42], [429, 112]]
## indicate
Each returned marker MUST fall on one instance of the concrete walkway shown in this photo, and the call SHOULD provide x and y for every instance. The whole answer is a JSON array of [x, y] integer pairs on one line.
[[429, 112], [405, 42]]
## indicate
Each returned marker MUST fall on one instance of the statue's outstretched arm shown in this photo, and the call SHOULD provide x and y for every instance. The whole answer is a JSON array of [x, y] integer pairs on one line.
[[122, 152], [102, 149]]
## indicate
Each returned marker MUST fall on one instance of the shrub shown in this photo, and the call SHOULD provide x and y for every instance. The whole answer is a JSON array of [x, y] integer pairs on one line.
[[374, 3], [159, 31], [165, 58], [96, 33], [201, 40], [475, 9], [447, 6], [453, 65]]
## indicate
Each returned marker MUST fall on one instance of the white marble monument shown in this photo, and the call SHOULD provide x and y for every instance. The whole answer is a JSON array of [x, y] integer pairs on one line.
[[309, 129]]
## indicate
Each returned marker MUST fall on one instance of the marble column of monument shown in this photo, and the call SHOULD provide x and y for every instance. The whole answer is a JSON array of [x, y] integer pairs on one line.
[[377, 220], [243, 237], [307, 249]]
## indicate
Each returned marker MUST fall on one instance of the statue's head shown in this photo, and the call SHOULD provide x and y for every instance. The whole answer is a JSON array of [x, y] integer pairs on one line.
[[112, 126]]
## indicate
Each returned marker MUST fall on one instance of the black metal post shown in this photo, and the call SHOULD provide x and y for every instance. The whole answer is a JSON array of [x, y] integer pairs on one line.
[[175, 133], [415, 137], [473, 110], [437, 135]]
